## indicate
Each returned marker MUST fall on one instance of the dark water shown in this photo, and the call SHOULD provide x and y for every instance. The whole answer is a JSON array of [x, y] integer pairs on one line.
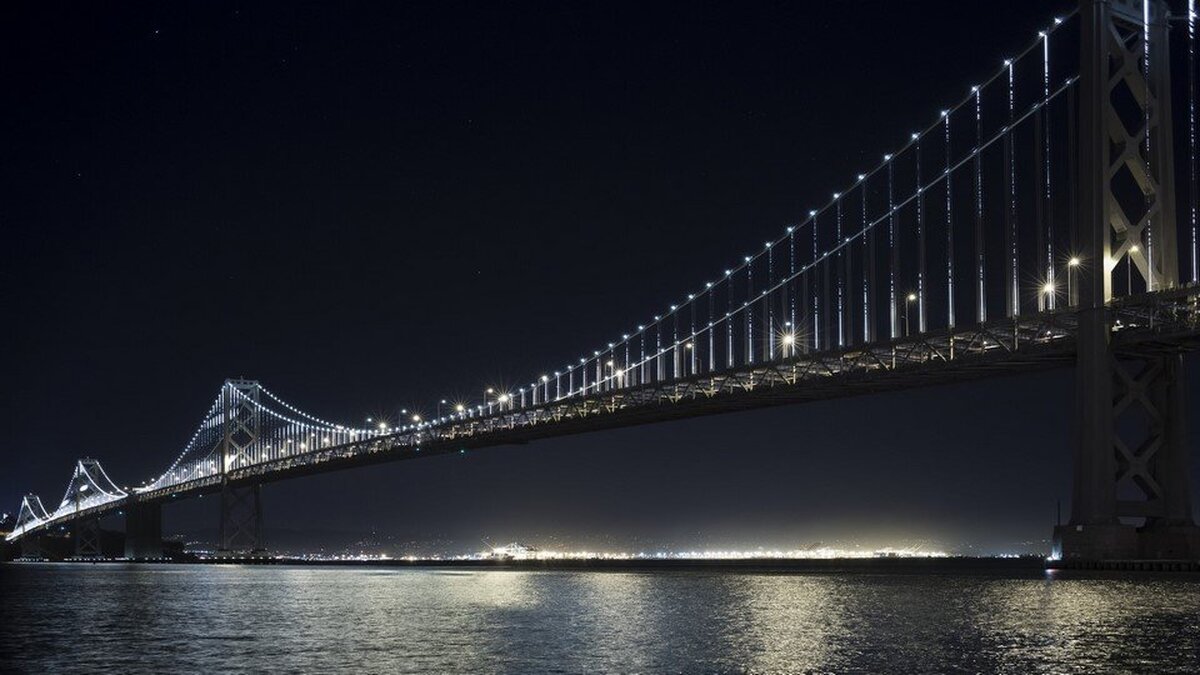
[[147, 619]]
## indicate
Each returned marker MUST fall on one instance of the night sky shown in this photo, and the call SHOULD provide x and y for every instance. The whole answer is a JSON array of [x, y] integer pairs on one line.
[[369, 207]]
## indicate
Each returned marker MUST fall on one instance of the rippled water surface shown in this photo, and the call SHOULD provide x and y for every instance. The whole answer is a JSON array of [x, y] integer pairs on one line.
[[148, 619]]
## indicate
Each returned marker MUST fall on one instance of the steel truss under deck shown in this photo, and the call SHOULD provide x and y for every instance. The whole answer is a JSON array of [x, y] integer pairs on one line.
[[1164, 323]]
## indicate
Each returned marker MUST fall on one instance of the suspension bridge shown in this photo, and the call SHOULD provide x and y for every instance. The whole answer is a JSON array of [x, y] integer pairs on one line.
[[1034, 223]]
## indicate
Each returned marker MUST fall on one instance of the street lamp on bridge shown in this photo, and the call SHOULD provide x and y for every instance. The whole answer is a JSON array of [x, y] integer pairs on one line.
[[1071, 265]]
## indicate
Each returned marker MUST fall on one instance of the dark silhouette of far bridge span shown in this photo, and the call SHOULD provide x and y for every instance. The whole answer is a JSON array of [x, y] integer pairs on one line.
[[1033, 224]]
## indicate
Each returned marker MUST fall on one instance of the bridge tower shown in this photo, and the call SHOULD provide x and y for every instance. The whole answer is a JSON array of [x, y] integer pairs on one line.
[[31, 512], [1131, 495], [241, 506], [85, 531]]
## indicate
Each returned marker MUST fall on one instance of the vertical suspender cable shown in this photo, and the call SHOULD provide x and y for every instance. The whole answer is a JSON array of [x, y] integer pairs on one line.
[[749, 307], [658, 357], [826, 301], [792, 276], [1150, 266], [691, 340], [728, 320], [816, 307], [642, 360], [868, 242], [920, 244], [712, 343], [676, 356], [893, 250], [980, 249], [1044, 290], [1192, 74], [841, 319], [769, 331], [949, 230], [1047, 196], [1011, 233]]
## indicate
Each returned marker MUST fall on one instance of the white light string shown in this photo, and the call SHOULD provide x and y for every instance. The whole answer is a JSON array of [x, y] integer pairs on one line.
[[970, 99]]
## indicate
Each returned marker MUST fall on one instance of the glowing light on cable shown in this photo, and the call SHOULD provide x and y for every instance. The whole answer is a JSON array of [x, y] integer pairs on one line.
[[1048, 209], [1014, 273], [1149, 231], [949, 226], [1193, 189]]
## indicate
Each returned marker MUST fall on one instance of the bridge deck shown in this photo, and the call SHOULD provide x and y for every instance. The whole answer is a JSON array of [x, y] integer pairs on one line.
[[1152, 323]]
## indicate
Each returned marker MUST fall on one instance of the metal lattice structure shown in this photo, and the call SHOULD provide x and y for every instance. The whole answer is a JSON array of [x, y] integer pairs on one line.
[[1031, 225], [1131, 497], [31, 511]]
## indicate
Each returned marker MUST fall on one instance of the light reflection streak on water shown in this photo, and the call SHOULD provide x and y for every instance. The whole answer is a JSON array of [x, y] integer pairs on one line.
[[75, 618]]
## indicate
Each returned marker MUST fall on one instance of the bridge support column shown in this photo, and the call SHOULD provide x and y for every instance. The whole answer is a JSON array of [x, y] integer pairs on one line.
[[1131, 495], [241, 519], [31, 547], [143, 532], [87, 538], [1132, 498]]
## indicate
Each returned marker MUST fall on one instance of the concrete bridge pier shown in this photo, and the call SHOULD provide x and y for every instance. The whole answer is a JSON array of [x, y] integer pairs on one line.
[[143, 532]]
